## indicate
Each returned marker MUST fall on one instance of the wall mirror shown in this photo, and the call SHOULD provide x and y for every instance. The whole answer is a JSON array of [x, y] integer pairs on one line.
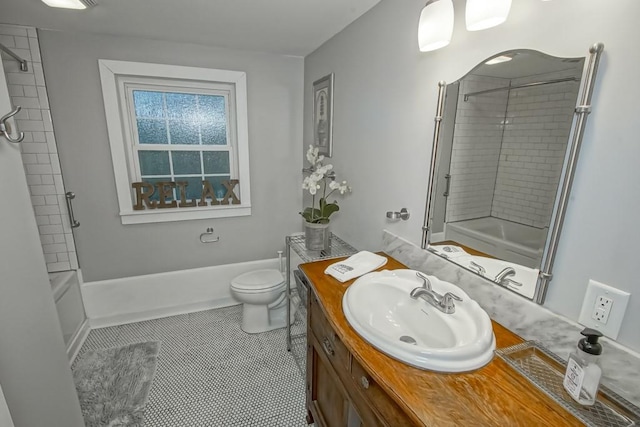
[[505, 146]]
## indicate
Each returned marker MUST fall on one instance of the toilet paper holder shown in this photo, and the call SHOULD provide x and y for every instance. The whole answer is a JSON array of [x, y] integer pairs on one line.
[[209, 232]]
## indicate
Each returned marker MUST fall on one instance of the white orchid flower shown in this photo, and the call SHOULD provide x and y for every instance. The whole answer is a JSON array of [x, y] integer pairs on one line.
[[312, 155]]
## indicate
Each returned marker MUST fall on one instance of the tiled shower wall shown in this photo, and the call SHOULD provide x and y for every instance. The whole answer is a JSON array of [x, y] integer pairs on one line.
[[476, 149], [510, 171], [39, 150], [533, 149]]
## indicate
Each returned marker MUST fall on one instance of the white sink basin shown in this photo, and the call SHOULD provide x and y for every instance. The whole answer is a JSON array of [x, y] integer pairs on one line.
[[379, 308]]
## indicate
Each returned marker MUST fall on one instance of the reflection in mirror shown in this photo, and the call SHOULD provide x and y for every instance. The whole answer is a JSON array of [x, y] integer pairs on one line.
[[502, 145]]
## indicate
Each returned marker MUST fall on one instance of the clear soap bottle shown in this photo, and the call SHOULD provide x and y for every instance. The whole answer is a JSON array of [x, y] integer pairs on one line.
[[582, 377]]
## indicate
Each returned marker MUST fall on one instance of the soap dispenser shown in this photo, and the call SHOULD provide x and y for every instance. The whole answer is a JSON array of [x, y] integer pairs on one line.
[[582, 377]]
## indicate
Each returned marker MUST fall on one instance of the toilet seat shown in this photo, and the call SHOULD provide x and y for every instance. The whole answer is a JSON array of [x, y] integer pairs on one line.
[[258, 281]]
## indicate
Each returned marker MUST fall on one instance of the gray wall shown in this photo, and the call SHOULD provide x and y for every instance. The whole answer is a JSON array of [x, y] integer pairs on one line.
[[107, 249], [385, 96]]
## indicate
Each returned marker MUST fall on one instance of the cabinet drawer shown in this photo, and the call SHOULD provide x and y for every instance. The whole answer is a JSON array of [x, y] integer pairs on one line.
[[374, 400], [335, 350]]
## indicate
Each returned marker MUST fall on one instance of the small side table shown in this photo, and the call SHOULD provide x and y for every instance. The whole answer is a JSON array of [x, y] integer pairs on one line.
[[297, 343]]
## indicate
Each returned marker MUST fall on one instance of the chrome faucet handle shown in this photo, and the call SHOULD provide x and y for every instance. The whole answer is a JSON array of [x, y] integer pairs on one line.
[[425, 279], [506, 272], [446, 303], [450, 295], [481, 269]]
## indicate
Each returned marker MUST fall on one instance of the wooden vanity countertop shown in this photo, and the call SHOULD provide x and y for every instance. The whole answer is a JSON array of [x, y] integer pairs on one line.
[[494, 395]]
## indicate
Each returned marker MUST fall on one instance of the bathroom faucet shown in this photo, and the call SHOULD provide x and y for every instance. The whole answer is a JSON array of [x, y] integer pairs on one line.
[[444, 303], [480, 269], [503, 277]]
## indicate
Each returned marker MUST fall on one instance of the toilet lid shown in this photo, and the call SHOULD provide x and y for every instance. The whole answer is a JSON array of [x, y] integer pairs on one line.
[[258, 280]]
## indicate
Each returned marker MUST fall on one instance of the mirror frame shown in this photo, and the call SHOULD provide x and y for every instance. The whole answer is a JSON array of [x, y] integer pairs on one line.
[[582, 110]]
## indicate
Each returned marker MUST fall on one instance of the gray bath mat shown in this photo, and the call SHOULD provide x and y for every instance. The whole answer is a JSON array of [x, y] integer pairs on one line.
[[113, 384]]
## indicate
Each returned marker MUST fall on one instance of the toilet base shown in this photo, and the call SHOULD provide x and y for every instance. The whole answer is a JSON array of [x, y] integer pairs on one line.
[[259, 318]]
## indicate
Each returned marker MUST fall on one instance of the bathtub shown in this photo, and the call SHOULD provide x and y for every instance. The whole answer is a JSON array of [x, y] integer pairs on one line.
[[502, 239], [65, 287]]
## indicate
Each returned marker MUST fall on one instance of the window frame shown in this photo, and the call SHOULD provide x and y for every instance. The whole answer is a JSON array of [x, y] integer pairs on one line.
[[116, 78]]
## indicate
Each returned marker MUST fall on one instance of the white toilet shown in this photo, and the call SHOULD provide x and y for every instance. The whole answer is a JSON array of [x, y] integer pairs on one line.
[[262, 293]]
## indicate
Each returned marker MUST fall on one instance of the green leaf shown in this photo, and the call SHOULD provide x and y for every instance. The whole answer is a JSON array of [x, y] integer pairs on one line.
[[311, 214]]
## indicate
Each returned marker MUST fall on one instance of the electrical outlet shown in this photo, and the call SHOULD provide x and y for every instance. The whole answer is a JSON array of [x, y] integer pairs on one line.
[[603, 308]]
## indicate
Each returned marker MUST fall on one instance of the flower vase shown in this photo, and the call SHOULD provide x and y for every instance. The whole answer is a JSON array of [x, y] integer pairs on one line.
[[317, 236]]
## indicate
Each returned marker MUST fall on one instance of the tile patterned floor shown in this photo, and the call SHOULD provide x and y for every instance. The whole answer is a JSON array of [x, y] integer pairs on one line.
[[211, 373]]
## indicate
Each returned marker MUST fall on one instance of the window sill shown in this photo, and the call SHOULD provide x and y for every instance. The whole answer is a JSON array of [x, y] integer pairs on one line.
[[183, 214]]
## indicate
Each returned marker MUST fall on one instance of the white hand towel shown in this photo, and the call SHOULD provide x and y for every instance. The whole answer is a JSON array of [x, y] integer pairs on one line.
[[356, 265]]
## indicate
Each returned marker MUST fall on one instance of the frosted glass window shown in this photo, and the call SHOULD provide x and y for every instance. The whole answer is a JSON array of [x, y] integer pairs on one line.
[[152, 131], [216, 183], [154, 163], [216, 162], [184, 132], [186, 163], [182, 106], [148, 104]]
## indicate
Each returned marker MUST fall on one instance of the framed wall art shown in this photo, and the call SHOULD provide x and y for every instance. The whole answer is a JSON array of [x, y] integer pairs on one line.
[[323, 115]]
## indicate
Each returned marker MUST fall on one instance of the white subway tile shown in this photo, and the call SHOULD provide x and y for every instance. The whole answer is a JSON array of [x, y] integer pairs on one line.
[[50, 229], [13, 30], [43, 158], [42, 220], [34, 114], [47, 210], [7, 40], [38, 169], [34, 180], [55, 163], [42, 97], [20, 78], [21, 42], [58, 266], [63, 256], [30, 125], [42, 190], [16, 91], [30, 91], [38, 200], [29, 158], [50, 258], [47, 179], [73, 260], [39, 136]]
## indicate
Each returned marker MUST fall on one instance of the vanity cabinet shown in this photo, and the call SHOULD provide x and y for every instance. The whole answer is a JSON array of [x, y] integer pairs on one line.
[[351, 384], [339, 390]]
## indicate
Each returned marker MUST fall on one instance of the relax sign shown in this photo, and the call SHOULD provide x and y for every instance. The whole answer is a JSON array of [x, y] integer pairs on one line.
[[164, 190]]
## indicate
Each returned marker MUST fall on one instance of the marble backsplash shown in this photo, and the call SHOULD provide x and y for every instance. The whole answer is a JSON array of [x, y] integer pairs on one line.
[[621, 367]]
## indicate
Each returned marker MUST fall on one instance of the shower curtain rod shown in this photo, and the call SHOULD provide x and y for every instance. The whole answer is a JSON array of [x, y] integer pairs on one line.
[[23, 63], [525, 85]]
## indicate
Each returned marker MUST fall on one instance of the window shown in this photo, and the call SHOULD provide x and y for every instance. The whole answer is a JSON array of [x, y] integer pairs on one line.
[[180, 125]]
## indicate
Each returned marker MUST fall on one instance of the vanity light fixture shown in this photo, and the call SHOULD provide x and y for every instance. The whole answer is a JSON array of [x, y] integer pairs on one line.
[[436, 25], [71, 4], [483, 14], [499, 59]]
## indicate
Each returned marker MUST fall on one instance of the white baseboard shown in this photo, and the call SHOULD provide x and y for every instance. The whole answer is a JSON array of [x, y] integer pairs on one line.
[[133, 299], [77, 340]]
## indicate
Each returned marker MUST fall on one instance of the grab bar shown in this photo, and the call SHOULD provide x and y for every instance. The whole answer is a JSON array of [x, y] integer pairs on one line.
[[70, 196], [209, 232], [6, 129], [446, 191]]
